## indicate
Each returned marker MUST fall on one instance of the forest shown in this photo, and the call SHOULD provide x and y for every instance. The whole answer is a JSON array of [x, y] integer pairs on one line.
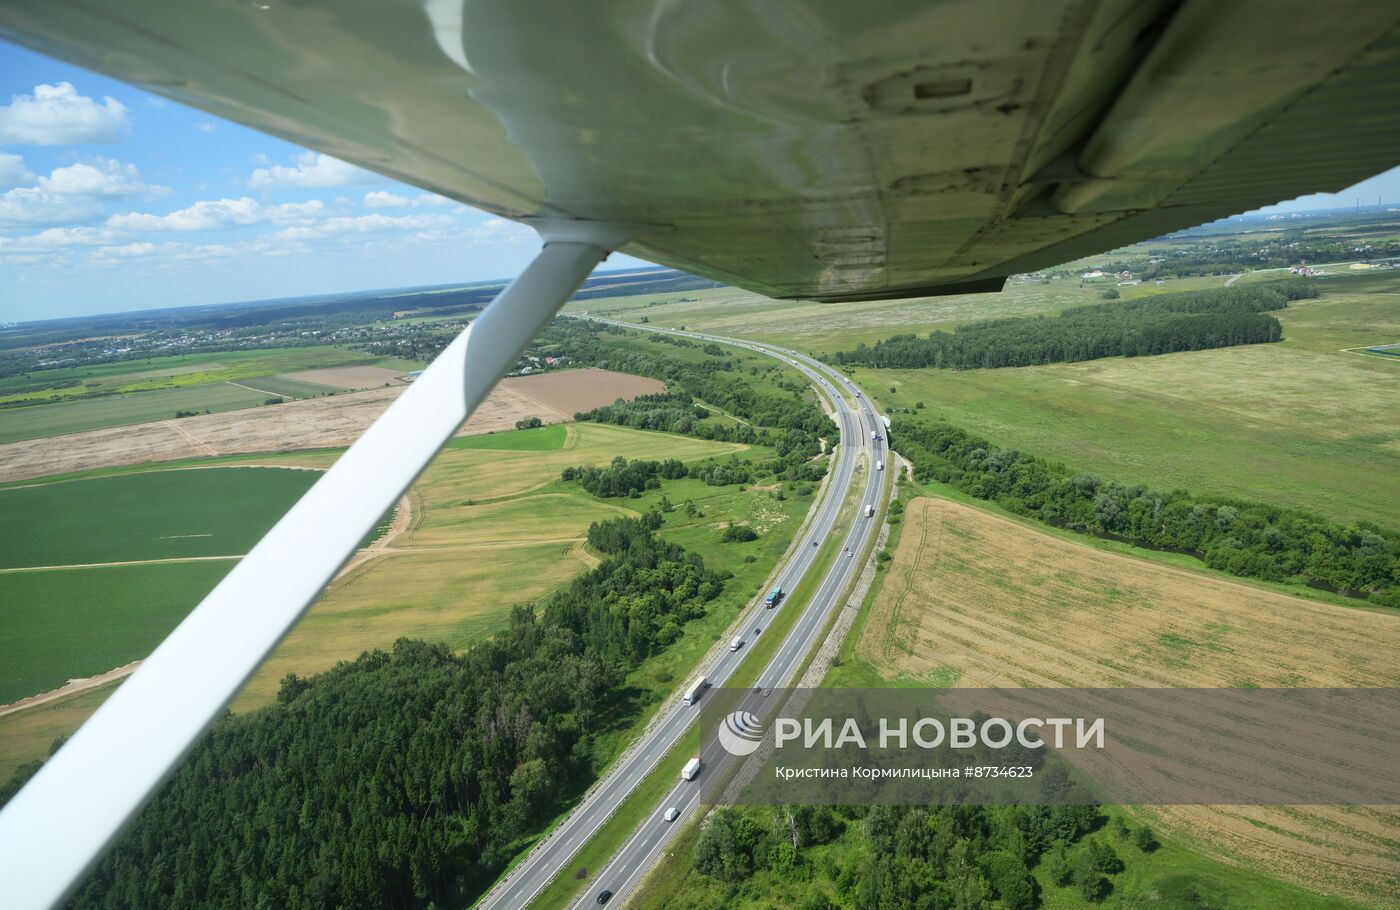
[[915, 857], [1160, 324], [1248, 539], [407, 778]]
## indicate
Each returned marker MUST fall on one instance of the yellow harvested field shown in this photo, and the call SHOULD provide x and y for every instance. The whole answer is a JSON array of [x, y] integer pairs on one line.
[[331, 421], [547, 517], [453, 595], [974, 599], [26, 735], [478, 542], [481, 474]]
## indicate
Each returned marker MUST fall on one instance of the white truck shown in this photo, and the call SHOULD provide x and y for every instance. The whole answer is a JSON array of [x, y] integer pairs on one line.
[[874, 435], [692, 695], [736, 644], [879, 465], [691, 769], [869, 513]]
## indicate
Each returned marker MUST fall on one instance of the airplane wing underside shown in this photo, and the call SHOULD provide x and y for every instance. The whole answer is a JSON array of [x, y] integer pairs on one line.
[[828, 150]]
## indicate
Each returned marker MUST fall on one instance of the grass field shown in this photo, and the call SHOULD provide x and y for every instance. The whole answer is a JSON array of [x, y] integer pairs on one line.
[[976, 599], [494, 527], [120, 410], [81, 622], [27, 735], [1302, 423], [451, 595], [539, 439], [141, 516], [288, 387]]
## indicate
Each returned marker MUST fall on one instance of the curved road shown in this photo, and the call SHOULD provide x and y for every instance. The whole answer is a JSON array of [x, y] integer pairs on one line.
[[523, 883]]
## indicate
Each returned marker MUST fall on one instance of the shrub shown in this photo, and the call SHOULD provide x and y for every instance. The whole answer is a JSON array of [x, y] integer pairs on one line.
[[738, 534]]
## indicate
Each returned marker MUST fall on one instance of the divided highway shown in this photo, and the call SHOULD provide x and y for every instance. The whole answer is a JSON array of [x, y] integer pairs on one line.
[[857, 424]]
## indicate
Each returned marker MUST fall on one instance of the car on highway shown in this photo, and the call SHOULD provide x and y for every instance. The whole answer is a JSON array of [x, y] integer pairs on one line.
[[672, 814], [757, 629], [605, 897]]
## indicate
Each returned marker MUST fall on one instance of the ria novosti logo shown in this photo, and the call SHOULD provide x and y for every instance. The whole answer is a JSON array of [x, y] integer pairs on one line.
[[740, 733]]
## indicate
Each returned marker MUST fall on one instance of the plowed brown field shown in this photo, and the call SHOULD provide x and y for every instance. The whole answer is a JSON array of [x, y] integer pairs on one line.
[[332, 421]]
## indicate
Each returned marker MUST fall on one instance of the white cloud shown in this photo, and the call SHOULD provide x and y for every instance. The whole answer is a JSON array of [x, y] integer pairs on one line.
[[127, 251], [58, 115], [205, 126], [13, 172], [313, 169], [71, 195], [216, 215], [50, 245], [378, 199], [104, 178], [363, 224]]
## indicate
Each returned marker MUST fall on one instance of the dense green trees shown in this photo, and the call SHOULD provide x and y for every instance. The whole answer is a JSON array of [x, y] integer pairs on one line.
[[1186, 321], [738, 534], [790, 423], [903, 857], [1243, 538], [630, 478], [407, 778], [625, 478]]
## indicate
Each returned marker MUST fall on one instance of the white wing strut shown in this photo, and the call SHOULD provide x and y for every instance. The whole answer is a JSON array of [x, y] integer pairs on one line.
[[56, 828]]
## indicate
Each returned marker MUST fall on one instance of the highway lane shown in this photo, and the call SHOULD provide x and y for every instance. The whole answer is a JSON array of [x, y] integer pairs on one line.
[[535, 872], [627, 868]]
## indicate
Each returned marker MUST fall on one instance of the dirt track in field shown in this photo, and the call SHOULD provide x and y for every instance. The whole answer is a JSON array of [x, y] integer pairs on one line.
[[327, 422], [973, 599]]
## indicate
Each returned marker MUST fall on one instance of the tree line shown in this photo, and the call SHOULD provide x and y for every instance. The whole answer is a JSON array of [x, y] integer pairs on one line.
[[1161, 324], [1248, 539], [630, 478], [408, 778]]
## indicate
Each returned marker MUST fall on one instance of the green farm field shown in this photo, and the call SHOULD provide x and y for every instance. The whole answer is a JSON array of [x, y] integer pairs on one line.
[[1305, 423], [74, 623], [177, 371], [539, 439], [81, 414], [490, 528], [1301, 423], [145, 516]]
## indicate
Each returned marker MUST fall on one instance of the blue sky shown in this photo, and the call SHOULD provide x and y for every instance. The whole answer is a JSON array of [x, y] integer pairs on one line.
[[113, 199]]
